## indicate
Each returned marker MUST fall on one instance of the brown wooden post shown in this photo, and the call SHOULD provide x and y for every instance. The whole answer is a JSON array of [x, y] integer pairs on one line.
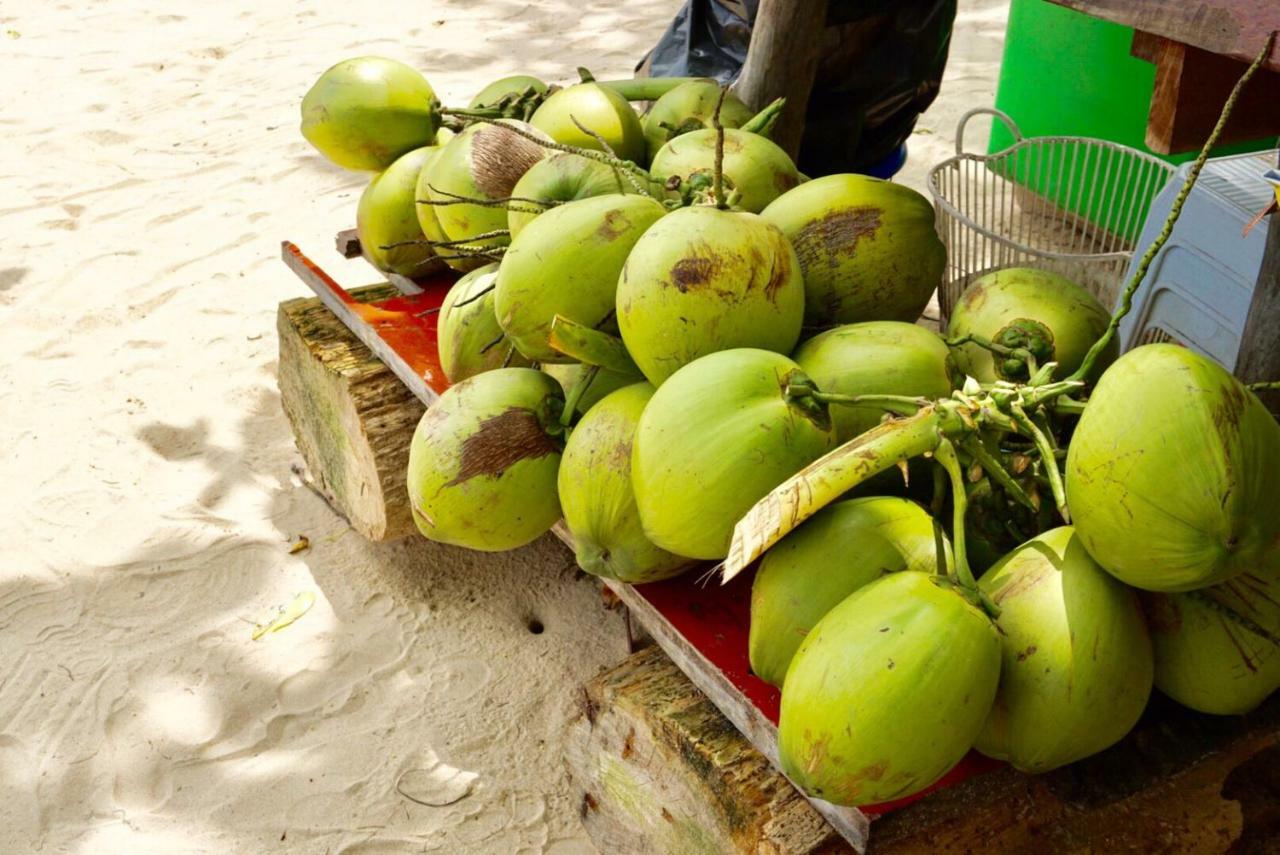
[[782, 60], [1259, 359]]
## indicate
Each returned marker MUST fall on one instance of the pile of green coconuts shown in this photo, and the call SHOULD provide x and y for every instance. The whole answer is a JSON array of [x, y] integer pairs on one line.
[[1001, 537]]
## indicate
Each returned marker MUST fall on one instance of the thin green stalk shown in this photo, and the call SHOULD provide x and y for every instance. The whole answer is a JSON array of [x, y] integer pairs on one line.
[[496, 233], [645, 88], [1126, 302], [899, 404], [973, 446], [576, 393], [945, 454], [998, 349], [1047, 456], [762, 123], [1272, 385]]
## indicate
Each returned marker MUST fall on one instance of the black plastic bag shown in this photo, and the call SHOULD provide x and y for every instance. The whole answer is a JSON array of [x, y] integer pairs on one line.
[[880, 68]]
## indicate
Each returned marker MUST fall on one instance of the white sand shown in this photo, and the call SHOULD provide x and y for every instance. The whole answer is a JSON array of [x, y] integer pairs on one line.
[[150, 164]]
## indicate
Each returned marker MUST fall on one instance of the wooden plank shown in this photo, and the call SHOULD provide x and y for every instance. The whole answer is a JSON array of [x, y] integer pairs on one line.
[[762, 733], [352, 418], [659, 769], [782, 60], [1236, 28], [1190, 88]]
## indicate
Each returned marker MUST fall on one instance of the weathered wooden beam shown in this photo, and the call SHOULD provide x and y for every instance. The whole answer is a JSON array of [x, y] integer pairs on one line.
[[352, 418], [1259, 359], [661, 770], [1190, 88], [782, 60], [1235, 28]]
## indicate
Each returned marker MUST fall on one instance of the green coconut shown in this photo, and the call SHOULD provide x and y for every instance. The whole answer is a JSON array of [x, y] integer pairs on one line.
[[1076, 657], [600, 110], [876, 358], [561, 178], [483, 162], [569, 374], [1173, 473], [689, 107], [516, 84], [567, 262], [597, 498], [703, 280], [837, 551], [470, 341], [1047, 314], [483, 461], [1218, 650], [387, 214], [867, 246], [888, 691], [718, 435], [756, 169], [363, 113], [430, 223]]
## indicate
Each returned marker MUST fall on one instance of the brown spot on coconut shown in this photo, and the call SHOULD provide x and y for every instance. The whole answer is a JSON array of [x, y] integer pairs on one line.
[[500, 442]]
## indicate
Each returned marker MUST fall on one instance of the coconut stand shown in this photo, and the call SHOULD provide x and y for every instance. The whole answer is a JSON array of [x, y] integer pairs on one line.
[[675, 749]]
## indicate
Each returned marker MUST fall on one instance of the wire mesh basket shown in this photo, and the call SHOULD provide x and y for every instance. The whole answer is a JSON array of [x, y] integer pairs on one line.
[[1072, 205]]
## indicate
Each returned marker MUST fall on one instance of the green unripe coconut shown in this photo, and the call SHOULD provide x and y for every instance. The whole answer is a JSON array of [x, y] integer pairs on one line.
[[1077, 667], [1217, 650], [867, 246], [876, 358], [503, 87], [561, 178], [388, 214], [430, 223], [567, 262], [363, 113], [470, 341], [569, 374], [888, 691], [837, 551], [1173, 473], [702, 280], [483, 162], [598, 109], [755, 167], [717, 437], [597, 498], [483, 461], [690, 107], [1047, 314]]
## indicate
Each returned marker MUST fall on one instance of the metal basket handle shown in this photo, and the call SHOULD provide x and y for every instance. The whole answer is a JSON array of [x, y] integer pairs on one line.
[[991, 111]]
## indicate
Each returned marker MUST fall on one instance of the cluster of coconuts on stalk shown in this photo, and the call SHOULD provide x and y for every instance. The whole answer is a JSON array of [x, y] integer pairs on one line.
[[999, 538]]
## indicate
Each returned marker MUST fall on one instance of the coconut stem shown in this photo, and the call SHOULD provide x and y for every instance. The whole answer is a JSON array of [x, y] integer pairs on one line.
[[1175, 211], [1264, 387], [998, 349], [719, 168], [762, 123], [946, 455], [501, 202], [899, 404], [973, 446], [828, 478], [1047, 456], [645, 88], [575, 394]]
